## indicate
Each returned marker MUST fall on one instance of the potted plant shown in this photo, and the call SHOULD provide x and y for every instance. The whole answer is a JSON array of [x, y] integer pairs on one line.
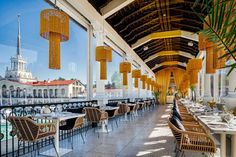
[[156, 95], [193, 94]]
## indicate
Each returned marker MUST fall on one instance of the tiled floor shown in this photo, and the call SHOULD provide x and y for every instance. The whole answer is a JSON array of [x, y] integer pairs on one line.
[[146, 136]]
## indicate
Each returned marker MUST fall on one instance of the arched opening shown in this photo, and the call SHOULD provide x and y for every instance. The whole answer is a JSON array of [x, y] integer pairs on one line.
[[56, 92], [18, 90], [12, 90], [45, 93], [35, 93], [40, 93], [63, 92], [51, 93], [4, 91]]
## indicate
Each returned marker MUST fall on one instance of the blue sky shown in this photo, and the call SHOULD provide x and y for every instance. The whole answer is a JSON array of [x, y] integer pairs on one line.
[[35, 48]]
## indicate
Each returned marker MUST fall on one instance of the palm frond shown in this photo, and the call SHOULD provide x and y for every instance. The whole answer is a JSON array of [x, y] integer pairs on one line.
[[220, 25]]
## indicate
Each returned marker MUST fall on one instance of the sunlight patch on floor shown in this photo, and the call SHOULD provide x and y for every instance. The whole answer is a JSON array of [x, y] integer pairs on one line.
[[160, 132], [155, 142], [168, 110], [165, 116], [160, 125], [141, 153]]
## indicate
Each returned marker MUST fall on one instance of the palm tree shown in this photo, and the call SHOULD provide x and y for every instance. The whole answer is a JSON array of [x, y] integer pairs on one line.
[[221, 25]]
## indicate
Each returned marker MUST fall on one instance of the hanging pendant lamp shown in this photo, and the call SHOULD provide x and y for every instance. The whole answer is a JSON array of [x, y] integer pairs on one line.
[[54, 26], [125, 68], [103, 55], [210, 69], [194, 65], [149, 80], [136, 74], [143, 79]]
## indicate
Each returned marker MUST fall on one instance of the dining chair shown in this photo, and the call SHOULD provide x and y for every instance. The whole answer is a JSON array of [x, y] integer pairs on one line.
[[72, 125], [113, 117], [124, 109], [28, 131], [94, 115], [133, 110], [187, 140]]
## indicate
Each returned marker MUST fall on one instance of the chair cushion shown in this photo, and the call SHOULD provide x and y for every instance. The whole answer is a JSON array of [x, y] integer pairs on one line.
[[177, 123], [176, 113]]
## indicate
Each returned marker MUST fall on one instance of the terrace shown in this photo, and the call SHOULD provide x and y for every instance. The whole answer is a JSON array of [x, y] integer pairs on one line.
[[117, 78]]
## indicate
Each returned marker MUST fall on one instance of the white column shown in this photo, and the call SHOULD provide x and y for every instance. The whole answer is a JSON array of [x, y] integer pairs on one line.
[[198, 87], [232, 83], [90, 58], [207, 82], [100, 84], [130, 80], [222, 83], [124, 90], [130, 86], [216, 85], [144, 94], [202, 83], [139, 88]]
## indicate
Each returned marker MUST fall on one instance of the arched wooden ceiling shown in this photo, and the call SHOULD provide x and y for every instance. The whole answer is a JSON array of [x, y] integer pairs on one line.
[[140, 18]]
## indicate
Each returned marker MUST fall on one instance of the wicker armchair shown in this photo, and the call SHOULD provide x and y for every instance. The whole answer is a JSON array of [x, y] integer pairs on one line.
[[112, 115], [94, 115], [191, 140], [73, 124], [123, 109], [29, 131]]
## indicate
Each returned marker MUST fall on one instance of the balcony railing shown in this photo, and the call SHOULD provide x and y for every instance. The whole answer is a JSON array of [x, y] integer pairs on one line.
[[10, 145]]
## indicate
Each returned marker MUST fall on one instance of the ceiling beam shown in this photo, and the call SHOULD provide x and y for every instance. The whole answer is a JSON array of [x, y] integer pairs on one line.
[[168, 53], [166, 34], [91, 14], [169, 63], [114, 6]]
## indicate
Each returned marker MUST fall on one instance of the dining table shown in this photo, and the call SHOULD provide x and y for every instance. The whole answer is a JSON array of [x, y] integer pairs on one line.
[[110, 110], [213, 120], [57, 117]]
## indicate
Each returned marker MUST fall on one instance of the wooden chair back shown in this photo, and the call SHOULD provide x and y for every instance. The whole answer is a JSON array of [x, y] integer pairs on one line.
[[93, 114], [26, 128]]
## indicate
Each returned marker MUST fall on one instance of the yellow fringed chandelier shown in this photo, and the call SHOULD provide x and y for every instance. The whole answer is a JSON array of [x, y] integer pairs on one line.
[[149, 81], [193, 67], [125, 68], [54, 26], [213, 54], [152, 85], [218, 62], [103, 55], [143, 79], [210, 69], [136, 74]]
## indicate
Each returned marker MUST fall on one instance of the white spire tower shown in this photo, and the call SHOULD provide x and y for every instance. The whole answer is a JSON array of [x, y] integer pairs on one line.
[[18, 69], [18, 37]]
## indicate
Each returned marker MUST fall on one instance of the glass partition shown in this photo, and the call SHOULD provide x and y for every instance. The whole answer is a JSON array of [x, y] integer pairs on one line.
[[113, 85], [24, 74]]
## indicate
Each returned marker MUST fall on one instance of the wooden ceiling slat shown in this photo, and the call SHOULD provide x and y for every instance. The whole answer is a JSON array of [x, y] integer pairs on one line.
[[143, 17]]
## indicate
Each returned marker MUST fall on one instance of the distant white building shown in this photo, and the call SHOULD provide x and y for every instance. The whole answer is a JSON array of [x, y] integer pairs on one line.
[[19, 85], [18, 70]]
